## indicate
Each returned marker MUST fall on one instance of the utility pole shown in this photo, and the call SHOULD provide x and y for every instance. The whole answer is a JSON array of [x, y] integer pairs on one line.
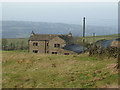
[[84, 34], [93, 37]]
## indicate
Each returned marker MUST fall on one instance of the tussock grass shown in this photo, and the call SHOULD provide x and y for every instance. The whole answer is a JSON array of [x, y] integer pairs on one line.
[[29, 70]]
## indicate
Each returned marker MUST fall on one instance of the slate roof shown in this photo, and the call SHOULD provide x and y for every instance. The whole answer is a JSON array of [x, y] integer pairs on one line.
[[75, 48], [38, 37], [65, 37]]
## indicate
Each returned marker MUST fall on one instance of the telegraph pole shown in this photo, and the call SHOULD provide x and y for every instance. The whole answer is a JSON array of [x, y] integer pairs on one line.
[[84, 34], [93, 37]]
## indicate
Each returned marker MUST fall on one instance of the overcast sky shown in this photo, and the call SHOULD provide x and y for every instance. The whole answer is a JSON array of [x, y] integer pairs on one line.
[[99, 13]]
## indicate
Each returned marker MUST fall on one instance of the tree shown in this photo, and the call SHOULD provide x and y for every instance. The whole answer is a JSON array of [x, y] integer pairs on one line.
[[11, 46], [4, 44], [17, 45], [22, 45]]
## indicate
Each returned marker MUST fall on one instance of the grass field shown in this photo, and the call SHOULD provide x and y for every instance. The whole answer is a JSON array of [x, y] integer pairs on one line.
[[28, 70], [89, 39]]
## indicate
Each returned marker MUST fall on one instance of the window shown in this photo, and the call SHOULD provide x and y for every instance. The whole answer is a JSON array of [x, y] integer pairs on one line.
[[47, 44], [66, 53], [54, 52], [35, 44], [35, 51], [56, 45]]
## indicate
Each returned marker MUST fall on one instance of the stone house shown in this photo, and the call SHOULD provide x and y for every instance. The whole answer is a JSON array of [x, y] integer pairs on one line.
[[53, 44]]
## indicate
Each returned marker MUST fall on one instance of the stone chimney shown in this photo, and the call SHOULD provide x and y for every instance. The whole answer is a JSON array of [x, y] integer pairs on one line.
[[70, 34], [32, 33]]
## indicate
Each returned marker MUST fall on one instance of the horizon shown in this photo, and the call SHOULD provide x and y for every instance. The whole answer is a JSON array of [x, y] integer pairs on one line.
[[54, 23], [24, 28], [65, 34]]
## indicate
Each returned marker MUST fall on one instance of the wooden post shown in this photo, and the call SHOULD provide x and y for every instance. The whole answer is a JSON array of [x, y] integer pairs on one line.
[[28, 45], [93, 37], [84, 34]]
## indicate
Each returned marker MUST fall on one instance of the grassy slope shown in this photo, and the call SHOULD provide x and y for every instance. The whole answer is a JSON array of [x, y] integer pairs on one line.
[[90, 38], [23, 69]]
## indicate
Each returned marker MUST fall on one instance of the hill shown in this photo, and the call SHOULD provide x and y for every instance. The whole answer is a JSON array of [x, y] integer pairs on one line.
[[22, 29]]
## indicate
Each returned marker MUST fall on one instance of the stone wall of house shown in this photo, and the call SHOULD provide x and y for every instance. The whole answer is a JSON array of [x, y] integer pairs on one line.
[[56, 40], [47, 46], [40, 47]]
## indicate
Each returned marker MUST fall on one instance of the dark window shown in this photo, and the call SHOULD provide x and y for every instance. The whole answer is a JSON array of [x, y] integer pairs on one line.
[[35, 51], [56, 45], [54, 52], [35, 44], [66, 53], [47, 44]]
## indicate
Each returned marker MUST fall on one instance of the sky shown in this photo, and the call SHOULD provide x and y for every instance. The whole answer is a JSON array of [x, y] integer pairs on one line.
[[96, 13]]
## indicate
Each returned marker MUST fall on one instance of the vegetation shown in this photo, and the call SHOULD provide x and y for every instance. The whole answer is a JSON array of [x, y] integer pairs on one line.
[[29, 70], [91, 39], [22, 43], [103, 52], [15, 44]]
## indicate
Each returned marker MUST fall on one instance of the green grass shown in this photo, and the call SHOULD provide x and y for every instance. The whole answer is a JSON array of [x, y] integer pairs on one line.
[[18, 51], [89, 39], [29, 70]]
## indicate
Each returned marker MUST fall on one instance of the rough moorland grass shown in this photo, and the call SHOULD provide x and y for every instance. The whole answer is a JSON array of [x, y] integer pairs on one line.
[[28, 70], [89, 39]]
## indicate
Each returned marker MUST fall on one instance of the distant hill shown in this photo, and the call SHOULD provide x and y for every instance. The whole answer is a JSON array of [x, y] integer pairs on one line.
[[22, 29]]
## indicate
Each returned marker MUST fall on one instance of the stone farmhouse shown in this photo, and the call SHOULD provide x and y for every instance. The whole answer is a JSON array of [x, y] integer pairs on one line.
[[53, 44]]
